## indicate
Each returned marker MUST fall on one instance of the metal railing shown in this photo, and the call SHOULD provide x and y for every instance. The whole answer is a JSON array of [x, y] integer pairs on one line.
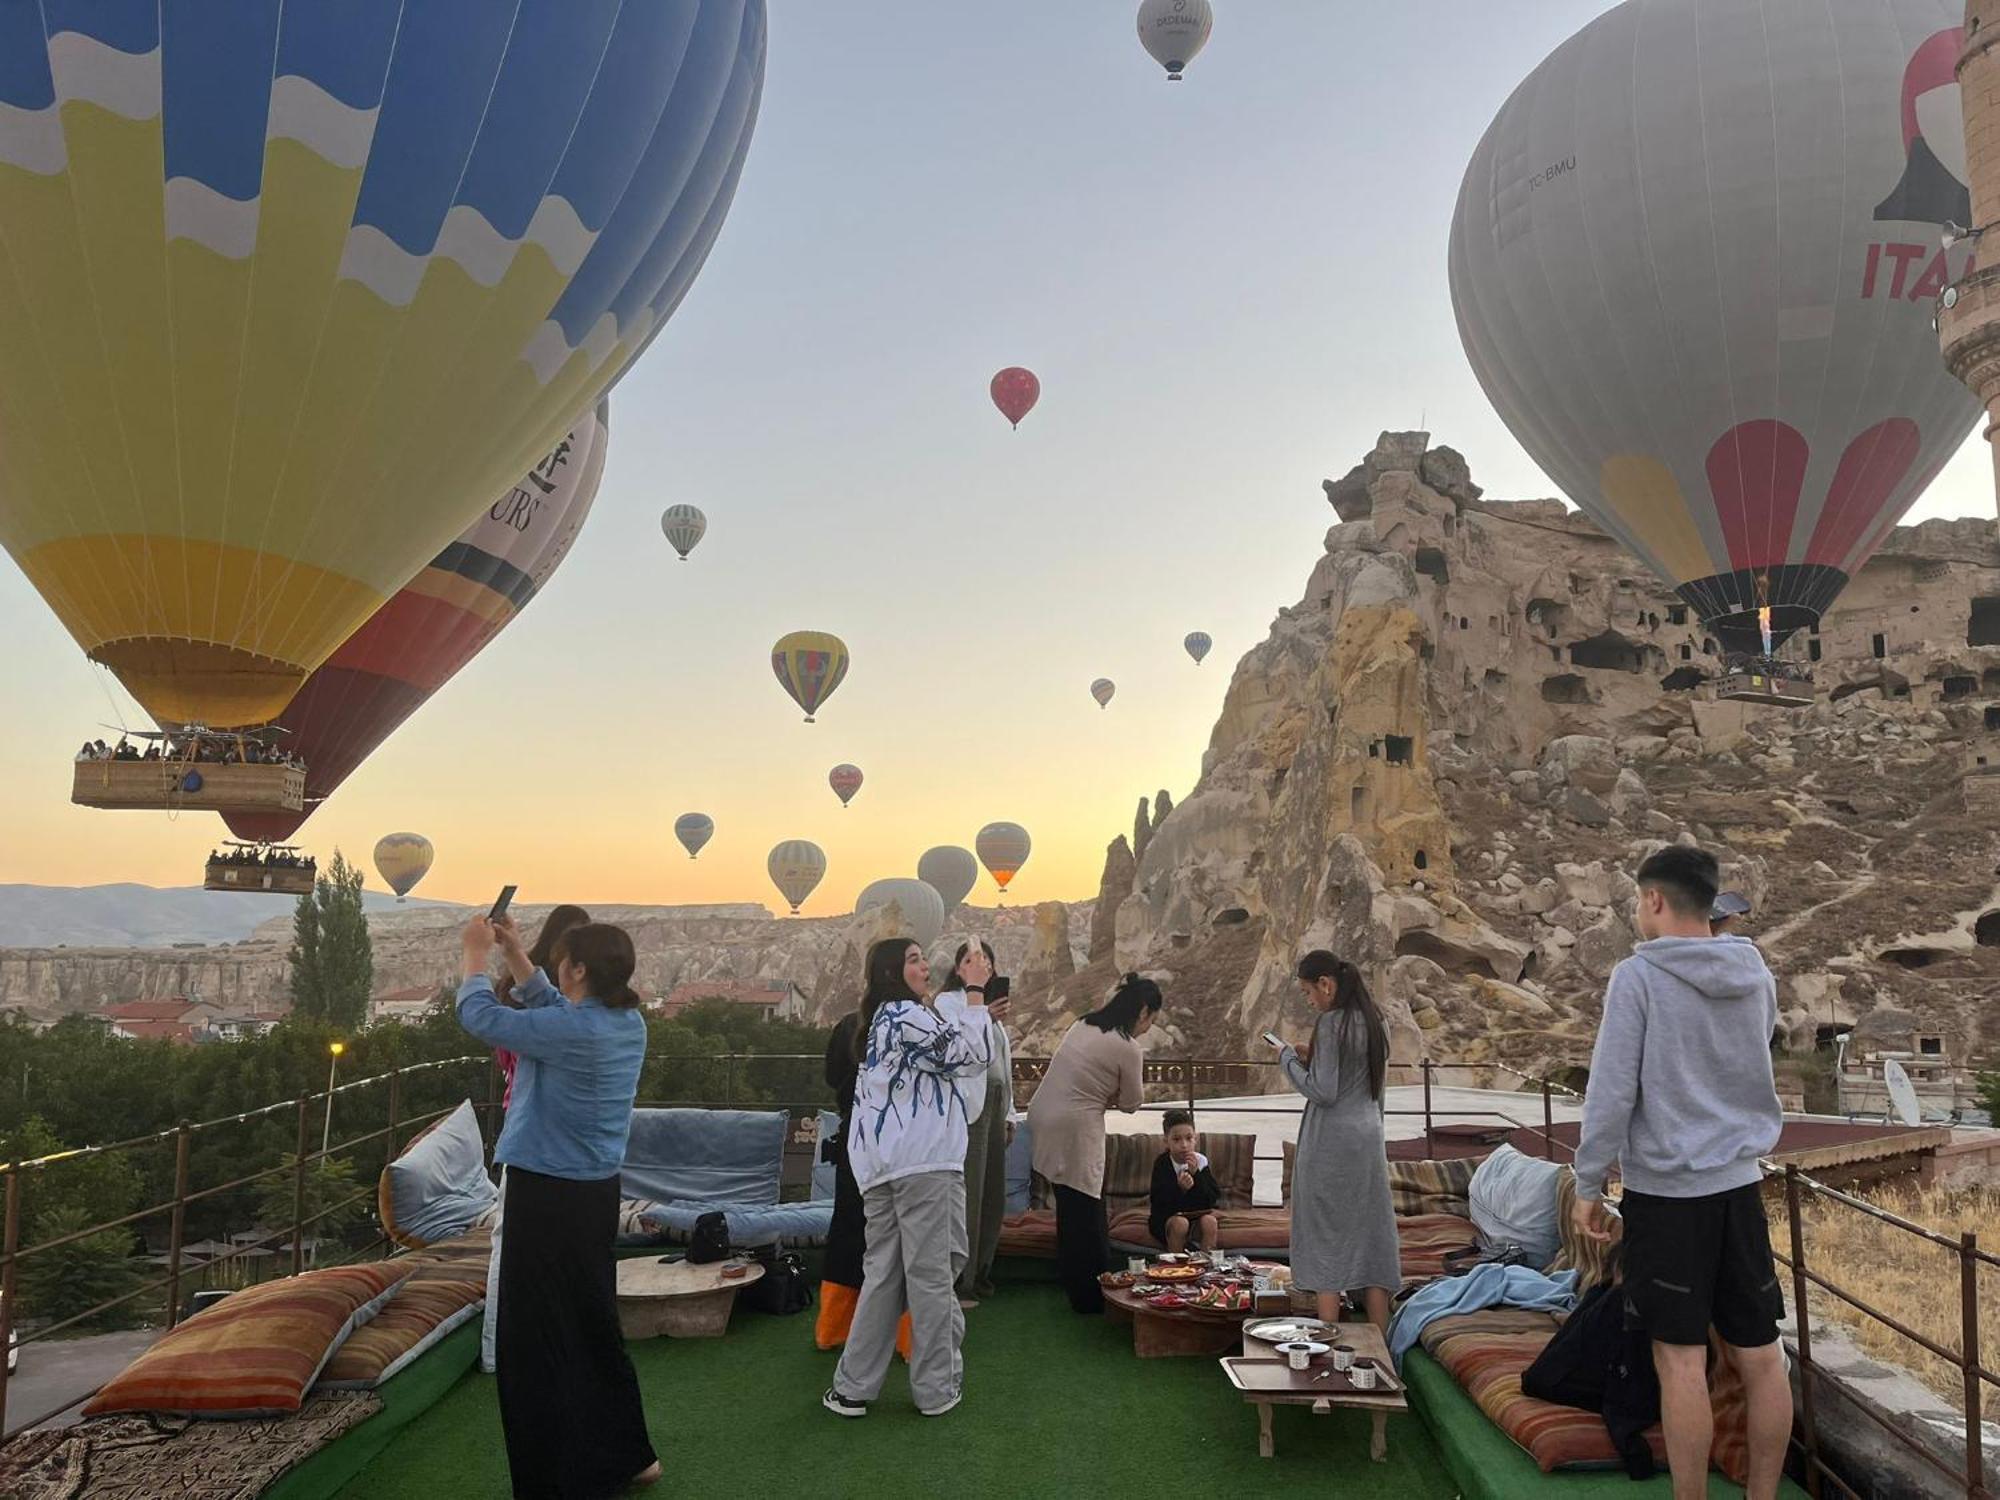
[[1196, 1081]]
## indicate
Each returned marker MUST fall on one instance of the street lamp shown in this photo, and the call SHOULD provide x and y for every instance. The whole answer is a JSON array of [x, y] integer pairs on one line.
[[334, 1049]]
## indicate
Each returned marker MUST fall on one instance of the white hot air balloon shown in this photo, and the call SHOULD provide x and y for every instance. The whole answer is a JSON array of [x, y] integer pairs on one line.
[[1198, 645], [950, 871], [920, 908], [684, 526], [1694, 264], [694, 830], [796, 868], [1103, 691], [1173, 31]]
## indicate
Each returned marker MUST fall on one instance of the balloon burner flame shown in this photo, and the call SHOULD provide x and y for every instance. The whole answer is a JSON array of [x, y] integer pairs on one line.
[[1764, 626]]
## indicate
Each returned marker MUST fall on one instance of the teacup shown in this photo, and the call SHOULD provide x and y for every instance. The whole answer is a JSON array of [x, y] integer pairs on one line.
[[1136, 1264], [1343, 1357], [1362, 1377], [1298, 1356]]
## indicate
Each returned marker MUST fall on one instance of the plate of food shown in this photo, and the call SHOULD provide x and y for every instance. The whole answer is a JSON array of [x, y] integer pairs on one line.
[[1288, 1330], [1116, 1280], [1177, 1271]]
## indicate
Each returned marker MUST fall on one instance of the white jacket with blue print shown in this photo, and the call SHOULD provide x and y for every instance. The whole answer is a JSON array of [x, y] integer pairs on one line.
[[910, 1100]]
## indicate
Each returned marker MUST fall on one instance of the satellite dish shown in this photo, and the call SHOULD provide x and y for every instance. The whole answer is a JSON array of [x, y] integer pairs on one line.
[[1902, 1096]]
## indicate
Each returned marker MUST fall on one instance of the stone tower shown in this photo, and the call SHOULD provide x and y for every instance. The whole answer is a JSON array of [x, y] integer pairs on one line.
[[1969, 331]]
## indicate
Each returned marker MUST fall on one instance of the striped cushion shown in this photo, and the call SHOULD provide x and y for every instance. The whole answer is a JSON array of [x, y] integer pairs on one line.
[[1433, 1187], [421, 1312], [1427, 1239], [256, 1352]]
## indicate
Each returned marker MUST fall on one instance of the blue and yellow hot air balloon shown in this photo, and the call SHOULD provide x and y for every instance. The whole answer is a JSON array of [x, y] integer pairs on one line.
[[809, 665], [294, 289]]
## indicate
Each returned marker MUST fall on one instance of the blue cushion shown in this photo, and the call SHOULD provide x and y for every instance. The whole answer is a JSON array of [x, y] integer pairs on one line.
[[723, 1156], [829, 1127], [439, 1186], [1020, 1168], [750, 1225]]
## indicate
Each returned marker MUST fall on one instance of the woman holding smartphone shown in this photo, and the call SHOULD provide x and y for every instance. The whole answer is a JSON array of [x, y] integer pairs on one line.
[[569, 1398], [989, 1127]]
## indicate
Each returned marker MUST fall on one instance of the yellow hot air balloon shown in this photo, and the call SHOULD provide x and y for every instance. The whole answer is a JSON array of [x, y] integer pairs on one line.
[[796, 867], [809, 665], [402, 859], [293, 291]]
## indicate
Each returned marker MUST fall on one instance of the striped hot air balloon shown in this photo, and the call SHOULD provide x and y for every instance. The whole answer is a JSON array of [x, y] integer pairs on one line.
[[1103, 690], [1198, 645], [1003, 849], [694, 830], [796, 867], [402, 859], [684, 527], [295, 287], [920, 908], [950, 871], [809, 665], [846, 781], [439, 621]]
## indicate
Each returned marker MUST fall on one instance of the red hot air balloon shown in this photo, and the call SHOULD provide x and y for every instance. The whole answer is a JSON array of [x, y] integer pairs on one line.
[[1015, 392], [845, 781]]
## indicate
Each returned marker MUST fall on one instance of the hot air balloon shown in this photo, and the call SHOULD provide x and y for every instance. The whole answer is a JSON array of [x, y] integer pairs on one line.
[[694, 830], [796, 867], [294, 290], [1015, 391], [950, 871], [402, 859], [845, 781], [1003, 849], [684, 526], [809, 665], [1693, 262], [1103, 690], [1173, 31], [439, 621], [1198, 645], [921, 908]]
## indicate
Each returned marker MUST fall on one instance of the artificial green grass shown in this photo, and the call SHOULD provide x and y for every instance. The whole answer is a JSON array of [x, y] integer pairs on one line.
[[1489, 1465], [1055, 1404]]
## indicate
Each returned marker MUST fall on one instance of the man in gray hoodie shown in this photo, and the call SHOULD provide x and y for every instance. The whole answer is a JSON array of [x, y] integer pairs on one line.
[[1681, 1100]]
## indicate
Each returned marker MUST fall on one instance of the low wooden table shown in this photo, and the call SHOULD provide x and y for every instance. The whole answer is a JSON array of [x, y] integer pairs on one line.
[[1166, 1332], [677, 1299], [1367, 1342]]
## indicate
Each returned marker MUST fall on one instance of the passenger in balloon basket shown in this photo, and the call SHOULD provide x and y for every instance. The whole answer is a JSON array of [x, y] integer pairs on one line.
[[570, 1408], [1682, 1101], [989, 1106], [906, 1141]]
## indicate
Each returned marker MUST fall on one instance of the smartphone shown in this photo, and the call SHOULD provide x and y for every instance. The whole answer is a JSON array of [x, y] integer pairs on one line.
[[997, 988], [500, 906], [1274, 1039]]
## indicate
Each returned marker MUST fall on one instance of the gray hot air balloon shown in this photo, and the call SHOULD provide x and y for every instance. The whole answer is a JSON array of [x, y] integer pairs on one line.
[[1694, 263], [1198, 645], [1003, 849], [950, 871], [920, 908], [684, 526], [797, 867], [1103, 690], [694, 830], [1172, 31]]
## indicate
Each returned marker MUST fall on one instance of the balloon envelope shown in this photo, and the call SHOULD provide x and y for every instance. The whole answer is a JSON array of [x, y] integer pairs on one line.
[[684, 526], [1015, 391], [845, 781], [1198, 645], [921, 908], [809, 665], [402, 859], [950, 871], [294, 290], [694, 830], [439, 621], [1173, 31], [1003, 849], [1103, 691], [1693, 262], [796, 868]]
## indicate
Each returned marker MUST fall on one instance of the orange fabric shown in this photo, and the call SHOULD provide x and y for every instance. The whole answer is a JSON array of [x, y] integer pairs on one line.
[[836, 1316]]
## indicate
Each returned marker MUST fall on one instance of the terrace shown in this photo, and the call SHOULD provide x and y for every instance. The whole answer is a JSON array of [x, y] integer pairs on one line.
[[1044, 1388]]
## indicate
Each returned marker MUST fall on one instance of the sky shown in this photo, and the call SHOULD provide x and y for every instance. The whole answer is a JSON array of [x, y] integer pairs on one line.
[[1228, 287]]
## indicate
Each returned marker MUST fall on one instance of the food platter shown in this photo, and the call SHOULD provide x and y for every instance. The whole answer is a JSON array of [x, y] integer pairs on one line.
[[1181, 1272], [1288, 1330]]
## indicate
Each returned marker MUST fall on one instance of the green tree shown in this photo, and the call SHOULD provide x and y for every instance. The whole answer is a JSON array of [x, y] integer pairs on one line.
[[333, 963], [69, 1279], [329, 1186], [88, 1189]]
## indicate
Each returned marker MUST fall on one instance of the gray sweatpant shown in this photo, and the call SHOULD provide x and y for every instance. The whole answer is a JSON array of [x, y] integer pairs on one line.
[[916, 1250]]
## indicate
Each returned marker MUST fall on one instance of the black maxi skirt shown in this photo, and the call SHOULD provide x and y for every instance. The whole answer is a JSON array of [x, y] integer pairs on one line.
[[847, 1235], [569, 1398]]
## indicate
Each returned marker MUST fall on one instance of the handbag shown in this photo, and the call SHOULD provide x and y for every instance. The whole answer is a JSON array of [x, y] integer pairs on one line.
[[783, 1288], [710, 1240]]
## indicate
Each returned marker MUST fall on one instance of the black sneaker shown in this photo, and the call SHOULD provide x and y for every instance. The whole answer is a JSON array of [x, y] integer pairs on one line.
[[840, 1406]]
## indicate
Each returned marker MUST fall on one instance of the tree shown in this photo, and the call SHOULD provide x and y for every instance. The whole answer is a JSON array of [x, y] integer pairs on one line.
[[69, 1279], [333, 963], [86, 1189], [325, 1206]]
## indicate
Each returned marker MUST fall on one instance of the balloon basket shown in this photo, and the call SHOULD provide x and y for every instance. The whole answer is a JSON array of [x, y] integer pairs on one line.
[[1749, 686], [201, 786]]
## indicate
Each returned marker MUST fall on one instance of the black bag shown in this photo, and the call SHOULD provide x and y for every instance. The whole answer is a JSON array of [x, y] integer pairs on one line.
[[710, 1240], [783, 1288]]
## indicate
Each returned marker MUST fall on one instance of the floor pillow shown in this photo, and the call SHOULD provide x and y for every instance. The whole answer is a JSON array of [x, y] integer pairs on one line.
[[438, 1186], [1514, 1203], [1426, 1239], [421, 1312], [1433, 1187]]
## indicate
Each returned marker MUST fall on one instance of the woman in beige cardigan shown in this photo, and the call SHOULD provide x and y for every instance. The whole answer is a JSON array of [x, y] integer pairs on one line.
[[1096, 1067]]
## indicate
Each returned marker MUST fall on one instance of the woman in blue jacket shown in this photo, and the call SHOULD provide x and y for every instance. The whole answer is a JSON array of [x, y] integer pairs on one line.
[[569, 1399]]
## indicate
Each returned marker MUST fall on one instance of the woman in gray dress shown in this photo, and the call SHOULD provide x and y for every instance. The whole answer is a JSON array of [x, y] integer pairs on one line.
[[1343, 1221]]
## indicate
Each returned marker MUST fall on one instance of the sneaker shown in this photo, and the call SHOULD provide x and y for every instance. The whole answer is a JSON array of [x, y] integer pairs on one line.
[[968, 1303], [840, 1406], [937, 1411]]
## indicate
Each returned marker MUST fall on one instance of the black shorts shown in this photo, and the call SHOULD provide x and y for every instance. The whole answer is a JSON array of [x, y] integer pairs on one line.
[[1693, 1262]]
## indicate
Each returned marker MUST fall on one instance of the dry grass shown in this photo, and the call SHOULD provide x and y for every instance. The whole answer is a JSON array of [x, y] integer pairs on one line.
[[1908, 1277]]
